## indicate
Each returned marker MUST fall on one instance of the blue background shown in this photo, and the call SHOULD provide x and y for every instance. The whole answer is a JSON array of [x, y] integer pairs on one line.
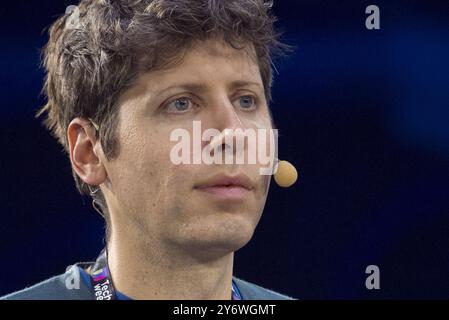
[[362, 114]]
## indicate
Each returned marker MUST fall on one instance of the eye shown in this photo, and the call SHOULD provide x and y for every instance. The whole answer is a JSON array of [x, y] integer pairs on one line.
[[179, 105], [246, 102]]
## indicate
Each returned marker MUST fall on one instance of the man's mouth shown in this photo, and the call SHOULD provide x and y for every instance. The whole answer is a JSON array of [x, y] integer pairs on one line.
[[226, 187]]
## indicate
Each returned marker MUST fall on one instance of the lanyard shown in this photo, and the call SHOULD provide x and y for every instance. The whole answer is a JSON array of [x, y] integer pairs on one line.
[[103, 286]]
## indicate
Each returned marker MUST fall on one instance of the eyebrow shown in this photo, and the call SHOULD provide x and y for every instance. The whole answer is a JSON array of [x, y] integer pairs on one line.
[[202, 86]]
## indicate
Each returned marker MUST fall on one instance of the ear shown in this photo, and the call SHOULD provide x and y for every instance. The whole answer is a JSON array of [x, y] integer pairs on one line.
[[84, 149]]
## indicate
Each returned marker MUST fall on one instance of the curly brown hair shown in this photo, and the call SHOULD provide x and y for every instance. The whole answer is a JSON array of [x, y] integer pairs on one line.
[[97, 50]]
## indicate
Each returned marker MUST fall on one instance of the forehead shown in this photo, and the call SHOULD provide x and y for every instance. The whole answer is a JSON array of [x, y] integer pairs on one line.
[[210, 61]]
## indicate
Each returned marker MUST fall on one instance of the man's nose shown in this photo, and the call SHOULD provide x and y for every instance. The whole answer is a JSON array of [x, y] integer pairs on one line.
[[226, 117], [227, 120]]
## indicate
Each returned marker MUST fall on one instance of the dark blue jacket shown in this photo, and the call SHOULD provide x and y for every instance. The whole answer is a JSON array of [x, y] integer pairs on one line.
[[55, 288]]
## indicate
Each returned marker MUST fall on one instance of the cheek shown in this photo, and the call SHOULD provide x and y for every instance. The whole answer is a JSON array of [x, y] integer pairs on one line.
[[263, 146], [152, 179], [140, 164]]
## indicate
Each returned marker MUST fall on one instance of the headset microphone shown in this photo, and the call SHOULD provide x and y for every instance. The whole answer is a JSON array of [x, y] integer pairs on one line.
[[286, 174]]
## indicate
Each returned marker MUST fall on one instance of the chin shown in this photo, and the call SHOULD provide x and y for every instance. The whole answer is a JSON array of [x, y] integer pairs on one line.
[[230, 241], [225, 236]]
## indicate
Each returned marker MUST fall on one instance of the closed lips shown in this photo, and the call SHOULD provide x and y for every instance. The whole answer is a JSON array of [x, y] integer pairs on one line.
[[240, 180]]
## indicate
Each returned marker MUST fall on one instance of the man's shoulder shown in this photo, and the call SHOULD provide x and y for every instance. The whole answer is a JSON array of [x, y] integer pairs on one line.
[[66, 286], [251, 291]]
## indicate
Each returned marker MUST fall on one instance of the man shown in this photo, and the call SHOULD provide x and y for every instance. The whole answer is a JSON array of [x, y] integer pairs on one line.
[[121, 77]]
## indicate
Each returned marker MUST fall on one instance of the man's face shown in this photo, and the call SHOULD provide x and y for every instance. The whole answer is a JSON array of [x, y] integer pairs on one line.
[[168, 203]]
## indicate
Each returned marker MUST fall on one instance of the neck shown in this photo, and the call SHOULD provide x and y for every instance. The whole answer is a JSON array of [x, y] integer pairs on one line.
[[143, 271]]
